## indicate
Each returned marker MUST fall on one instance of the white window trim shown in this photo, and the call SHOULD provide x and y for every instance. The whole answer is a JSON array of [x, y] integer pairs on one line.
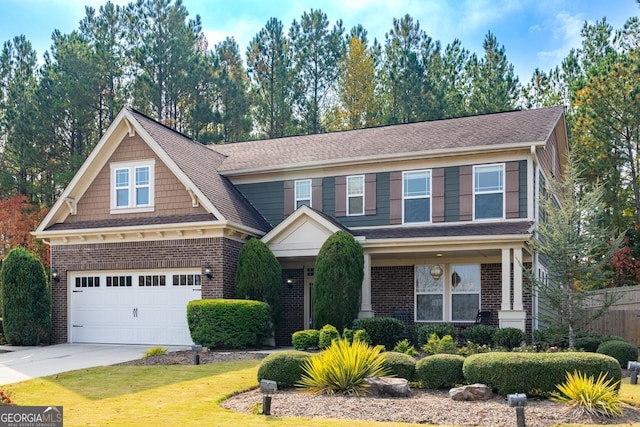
[[355, 195], [447, 295], [131, 166], [429, 196], [296, 199], [503, 192]]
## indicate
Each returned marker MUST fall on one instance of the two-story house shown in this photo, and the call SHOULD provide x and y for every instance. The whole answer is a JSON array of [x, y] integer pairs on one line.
[[443, 210]]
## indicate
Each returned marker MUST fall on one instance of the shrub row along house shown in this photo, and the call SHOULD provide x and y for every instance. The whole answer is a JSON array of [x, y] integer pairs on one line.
[[443, 211]]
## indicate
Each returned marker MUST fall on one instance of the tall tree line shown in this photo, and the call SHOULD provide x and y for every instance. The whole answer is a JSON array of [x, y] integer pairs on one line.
[[311, 77]]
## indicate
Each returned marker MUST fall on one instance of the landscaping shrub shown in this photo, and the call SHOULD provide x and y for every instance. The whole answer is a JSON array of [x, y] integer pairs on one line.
[[26, 299], [440, 371], [228, 323], [362, 336], [480, 334], [588, 343], [328, 334], [347, 334], [385, 331], [283, 367], [338, 281], [586, 395], [444, 345], [309, 338], [509, 337], [622, 351], [342, 368], [259, 276], [155, 351], [400, 365], [405, 347], [425, 332], [535, 374], [553, 336]]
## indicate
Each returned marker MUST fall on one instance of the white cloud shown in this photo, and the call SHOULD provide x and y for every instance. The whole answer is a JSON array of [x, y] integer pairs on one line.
[[566, 31]]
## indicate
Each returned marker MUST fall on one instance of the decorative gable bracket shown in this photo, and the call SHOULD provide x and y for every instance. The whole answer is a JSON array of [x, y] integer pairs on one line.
[[194, 199], [131, 130], [71, 203]]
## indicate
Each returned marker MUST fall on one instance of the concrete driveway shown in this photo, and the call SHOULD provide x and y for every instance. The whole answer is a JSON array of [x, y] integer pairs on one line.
[[30, 362]]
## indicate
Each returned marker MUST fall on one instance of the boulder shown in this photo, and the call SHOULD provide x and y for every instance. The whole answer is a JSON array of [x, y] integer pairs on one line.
[[471, 392], [383, 386]]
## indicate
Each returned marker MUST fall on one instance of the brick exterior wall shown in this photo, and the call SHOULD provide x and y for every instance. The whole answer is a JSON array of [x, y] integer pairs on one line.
[[292, 315], [392, 289], [220, 253]]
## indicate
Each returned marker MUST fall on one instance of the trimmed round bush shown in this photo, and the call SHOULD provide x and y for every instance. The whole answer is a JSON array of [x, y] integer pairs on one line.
[[385, 331], [309, 338], [328, 334], [400, 365], [509, 337], [228, 323], [283, 367], [480, 334], [588, 343], [535, 374], [362, 336], [440, 371], [622, 351], [425, 332]]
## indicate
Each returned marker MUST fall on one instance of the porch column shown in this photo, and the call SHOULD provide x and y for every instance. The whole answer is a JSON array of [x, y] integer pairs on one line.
[[365, 306], [506, 279], [517, 279]]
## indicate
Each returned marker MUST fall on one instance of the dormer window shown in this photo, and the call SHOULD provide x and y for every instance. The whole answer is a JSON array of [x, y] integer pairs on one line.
[[132, 187]]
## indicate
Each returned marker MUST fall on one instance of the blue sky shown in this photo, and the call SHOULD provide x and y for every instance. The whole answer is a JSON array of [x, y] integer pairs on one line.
[[535, 33]]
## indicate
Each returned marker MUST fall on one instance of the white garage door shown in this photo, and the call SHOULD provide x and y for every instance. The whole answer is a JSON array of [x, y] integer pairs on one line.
[[132, 307]]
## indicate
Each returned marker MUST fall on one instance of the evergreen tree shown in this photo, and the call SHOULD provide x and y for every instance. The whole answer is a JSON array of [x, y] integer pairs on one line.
[[259, 276], [339, 271], [494, 84], [26, 301], [575, 249], [271, 76], [316, 52]]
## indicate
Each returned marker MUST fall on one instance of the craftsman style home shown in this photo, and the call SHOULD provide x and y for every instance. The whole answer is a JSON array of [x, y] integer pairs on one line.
[[444, 211]]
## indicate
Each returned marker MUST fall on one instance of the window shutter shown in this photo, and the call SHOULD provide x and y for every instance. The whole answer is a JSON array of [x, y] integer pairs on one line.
[[289, 198], [437, 194], [370, 194], [395, 198], [512, 187], [316, 194], [466, 193], [341, 196]]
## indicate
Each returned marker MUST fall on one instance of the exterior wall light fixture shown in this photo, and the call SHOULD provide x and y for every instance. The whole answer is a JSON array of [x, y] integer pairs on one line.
[[207, 271], [55, 275]]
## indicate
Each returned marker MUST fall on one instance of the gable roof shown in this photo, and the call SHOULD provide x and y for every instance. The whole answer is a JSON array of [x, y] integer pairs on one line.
[[201, 165], [193, 164], [498, 131]]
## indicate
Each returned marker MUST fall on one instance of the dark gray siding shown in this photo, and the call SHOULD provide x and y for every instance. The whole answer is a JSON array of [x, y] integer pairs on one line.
[[452, 194], [522, 172], [267, 198], [382, 203], [329, 196]]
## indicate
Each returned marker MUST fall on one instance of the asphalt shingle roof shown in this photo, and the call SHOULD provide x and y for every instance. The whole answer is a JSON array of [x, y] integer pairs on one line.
[[457, 230], [496, 129], [201, 165], [130, 222]]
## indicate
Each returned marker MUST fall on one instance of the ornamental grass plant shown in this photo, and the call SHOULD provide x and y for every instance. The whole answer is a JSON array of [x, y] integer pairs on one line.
[[342, 368], [588, 396]]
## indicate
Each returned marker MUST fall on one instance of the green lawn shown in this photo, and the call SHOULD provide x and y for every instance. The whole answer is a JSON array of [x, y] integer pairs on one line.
[[168, 395]]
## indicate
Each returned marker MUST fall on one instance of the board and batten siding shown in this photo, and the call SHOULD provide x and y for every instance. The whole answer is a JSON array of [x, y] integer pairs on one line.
[[452, 194], [331, 185], [267, 198]]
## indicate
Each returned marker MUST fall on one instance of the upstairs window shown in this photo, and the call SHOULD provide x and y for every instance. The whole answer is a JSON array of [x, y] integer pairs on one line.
[[488, 190], [355, 195], [416, 196], [303, 192], [132, 187]]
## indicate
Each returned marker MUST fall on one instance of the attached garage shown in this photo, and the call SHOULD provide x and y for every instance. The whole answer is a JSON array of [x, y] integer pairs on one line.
[[132, 307]]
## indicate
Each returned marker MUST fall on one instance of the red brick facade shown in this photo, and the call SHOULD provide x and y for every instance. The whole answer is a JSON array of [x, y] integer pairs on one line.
[[220, 253], [292, 317]]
